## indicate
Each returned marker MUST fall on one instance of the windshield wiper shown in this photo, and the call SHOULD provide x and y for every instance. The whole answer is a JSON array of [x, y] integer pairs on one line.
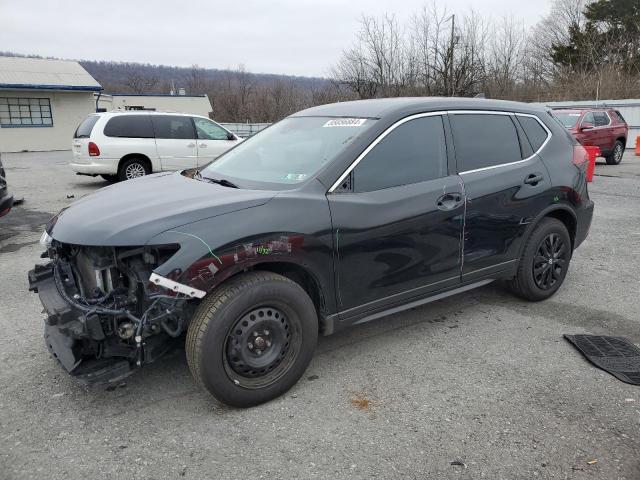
[[220, 181]]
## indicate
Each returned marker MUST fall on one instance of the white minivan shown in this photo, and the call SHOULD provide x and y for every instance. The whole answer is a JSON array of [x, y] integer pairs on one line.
[[125, 145]]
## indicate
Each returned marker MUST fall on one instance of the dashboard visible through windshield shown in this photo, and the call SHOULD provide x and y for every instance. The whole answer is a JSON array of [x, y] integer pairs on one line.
[[287, 153]]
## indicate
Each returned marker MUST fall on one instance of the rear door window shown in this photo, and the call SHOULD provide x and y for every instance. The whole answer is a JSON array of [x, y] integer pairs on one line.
[[536, 134], [413, 152], [602, 119], [85, 128], [589, 118], [129, 126], [484, 140], [173, 127]]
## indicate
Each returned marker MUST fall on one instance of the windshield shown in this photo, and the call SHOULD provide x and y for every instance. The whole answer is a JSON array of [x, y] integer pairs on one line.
[[567, 119], [287, 153]]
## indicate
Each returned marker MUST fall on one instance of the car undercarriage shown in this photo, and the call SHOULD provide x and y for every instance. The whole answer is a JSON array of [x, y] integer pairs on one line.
[[104, 317]]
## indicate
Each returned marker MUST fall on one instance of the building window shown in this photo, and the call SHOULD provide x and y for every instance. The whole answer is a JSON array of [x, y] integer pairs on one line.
[[25, 112]]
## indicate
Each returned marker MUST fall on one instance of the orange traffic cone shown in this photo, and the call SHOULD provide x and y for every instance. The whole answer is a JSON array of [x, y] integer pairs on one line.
[[638, 146]]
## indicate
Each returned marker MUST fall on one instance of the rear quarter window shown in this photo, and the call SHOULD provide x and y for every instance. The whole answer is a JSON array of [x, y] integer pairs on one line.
[[619, 115], [536, 134], [85, 128], [129, 126]]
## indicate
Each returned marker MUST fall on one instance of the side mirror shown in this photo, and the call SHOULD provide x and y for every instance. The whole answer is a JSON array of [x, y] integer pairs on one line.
[[231, 136], [586, 126]]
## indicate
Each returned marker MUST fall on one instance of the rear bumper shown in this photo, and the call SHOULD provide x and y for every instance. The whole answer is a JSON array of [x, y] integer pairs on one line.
[[95, 167], [583, 225]]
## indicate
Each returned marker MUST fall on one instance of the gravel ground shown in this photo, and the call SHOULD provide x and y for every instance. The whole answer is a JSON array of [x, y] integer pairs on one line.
[[481, 385]]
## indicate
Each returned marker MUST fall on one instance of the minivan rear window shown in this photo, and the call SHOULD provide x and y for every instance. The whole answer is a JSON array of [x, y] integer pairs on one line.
[[129, 126], [85, 128]]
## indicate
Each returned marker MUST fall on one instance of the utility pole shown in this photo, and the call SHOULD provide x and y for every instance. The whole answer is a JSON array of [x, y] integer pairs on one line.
[[453, 40]]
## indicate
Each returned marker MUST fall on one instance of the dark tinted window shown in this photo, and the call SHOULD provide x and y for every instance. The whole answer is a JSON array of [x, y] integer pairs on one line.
[[84, 130], [484, 140], [173, 126], [535, 133], [413, 152], [601, 119], [129, 126]]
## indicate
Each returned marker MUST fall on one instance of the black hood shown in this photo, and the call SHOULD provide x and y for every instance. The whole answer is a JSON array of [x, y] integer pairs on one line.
[[132, 212]]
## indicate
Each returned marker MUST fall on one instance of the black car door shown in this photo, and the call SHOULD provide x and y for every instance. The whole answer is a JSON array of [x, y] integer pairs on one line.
[[506, 185], [397, 219]]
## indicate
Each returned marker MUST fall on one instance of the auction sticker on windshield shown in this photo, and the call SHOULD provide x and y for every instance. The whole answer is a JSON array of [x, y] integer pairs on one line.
[[345, 122]]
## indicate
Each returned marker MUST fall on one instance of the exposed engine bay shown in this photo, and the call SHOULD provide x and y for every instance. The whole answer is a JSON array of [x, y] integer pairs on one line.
[[105, 317]]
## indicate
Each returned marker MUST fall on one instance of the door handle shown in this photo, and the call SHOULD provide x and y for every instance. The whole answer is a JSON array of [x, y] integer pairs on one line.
[[202, 145], [449, 201], [191, 145], [534, 179]]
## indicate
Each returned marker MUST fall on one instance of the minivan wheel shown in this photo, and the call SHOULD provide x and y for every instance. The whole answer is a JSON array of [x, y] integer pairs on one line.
[[615, 157], [544, 262], [252, 339], [134, 167]]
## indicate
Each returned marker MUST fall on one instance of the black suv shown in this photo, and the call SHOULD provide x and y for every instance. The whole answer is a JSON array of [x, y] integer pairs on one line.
[[336, 215]]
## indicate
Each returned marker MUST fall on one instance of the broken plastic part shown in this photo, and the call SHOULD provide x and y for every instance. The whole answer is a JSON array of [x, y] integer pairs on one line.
[[176, 287]]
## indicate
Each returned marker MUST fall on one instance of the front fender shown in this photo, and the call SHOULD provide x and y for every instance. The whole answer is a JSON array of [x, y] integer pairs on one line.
[[215, 249]]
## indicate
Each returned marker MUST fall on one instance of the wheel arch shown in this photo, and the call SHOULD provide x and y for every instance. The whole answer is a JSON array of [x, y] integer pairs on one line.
[[560, 212], [303, 275], [142, 156]]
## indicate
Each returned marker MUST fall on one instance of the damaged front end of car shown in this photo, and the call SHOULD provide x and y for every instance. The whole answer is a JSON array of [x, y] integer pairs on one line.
[[107, 313]]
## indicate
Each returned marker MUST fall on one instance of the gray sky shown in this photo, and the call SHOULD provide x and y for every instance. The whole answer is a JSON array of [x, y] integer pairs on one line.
[[298, 37]]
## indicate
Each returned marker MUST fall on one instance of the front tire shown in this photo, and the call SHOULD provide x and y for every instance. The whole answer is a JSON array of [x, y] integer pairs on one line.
[[134, 167], [544, 262], [252, 339], [615, 157]]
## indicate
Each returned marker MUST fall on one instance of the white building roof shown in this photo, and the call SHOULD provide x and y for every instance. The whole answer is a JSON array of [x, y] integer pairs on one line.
[[38, 73]]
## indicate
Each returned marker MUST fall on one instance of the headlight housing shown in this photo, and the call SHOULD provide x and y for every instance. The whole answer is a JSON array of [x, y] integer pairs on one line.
[[45, 239]]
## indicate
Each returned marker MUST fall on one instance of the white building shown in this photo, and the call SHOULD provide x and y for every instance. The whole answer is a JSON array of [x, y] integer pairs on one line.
[[42, 102], [193, 104]]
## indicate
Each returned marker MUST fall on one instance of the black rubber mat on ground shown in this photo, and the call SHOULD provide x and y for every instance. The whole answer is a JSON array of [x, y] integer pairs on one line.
[[616, 355]]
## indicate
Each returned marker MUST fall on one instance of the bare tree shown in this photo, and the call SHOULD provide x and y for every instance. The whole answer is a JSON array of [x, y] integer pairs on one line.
[[140, 83]]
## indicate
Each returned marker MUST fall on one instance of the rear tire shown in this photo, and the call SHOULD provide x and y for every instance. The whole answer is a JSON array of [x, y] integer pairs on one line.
[[110, 178], [252, 338], [615, 157], [544, 262], [134, 167]]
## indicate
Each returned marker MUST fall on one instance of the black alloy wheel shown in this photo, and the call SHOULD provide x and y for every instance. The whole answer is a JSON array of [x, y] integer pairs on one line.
[[544, 261], [549, 261]]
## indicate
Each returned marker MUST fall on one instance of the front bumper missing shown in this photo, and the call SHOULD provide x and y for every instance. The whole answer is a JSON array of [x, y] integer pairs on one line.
[[65, 330]]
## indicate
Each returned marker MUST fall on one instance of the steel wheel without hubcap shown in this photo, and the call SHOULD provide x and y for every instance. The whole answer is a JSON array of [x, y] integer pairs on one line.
[[134, 170], [549, 261], [261, 347]]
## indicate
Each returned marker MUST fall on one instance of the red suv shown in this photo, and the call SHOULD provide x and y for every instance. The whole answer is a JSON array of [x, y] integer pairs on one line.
[[601, 127]]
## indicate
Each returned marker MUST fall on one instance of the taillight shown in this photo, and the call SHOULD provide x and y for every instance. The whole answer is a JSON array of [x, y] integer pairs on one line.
[[580, 155], [585, 159], [94, 151]]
